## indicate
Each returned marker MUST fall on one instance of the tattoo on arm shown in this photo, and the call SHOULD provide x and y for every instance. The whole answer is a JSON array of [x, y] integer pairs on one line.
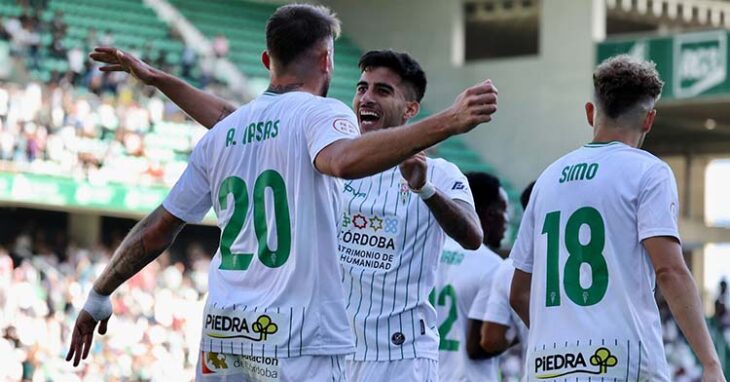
[[144, 243]]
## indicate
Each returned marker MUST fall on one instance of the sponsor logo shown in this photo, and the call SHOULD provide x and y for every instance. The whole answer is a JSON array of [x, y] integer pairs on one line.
[[558, 365], [258, 331], [346, 127], [398, 338], [458, 186], [351, 190], [700, 62]]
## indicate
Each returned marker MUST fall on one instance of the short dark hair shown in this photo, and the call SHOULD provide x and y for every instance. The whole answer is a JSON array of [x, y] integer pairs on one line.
[[622, 81], [485, 189], [525, 196], [402, 63], [295, 28]]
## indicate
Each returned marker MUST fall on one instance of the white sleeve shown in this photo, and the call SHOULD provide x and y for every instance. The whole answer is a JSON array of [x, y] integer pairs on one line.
[[522, 253], [478, 308], [189, 200], [448, 179], [327, 121], [658, 204], [498, 308]]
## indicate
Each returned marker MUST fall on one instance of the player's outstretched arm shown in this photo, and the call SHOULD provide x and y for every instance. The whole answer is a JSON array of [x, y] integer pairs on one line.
[[147, 240], [678, 288], [519, 297], [378, 151], [457, 218], [203, 107]]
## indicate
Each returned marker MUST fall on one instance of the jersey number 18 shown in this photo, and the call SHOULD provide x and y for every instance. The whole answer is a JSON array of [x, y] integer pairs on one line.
[[590, 253]]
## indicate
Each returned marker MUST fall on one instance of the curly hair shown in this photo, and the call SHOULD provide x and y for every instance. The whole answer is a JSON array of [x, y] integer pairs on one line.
[[622, 81]]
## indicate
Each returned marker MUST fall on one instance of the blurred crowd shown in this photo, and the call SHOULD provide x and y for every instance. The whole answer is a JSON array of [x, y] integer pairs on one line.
[[133, 137], [153, 335]]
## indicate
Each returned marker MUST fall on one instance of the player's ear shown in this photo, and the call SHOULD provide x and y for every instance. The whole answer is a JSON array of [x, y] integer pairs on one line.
[[412, 109], [648, 121], [266, 60], [590, 110], [326, 61]]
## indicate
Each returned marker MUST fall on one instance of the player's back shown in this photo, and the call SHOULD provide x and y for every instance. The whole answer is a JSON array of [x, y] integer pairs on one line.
[[274, 284], [592, 308], [462, 274]]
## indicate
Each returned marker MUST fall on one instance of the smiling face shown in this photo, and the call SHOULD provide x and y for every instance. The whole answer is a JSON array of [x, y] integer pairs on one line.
[[383, 100]]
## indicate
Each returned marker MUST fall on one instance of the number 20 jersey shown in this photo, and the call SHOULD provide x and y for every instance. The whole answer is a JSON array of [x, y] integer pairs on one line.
[[592, 308], [274, 284]]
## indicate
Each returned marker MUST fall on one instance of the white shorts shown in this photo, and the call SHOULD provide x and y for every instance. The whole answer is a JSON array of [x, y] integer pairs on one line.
[[219, 367], [404, 370]]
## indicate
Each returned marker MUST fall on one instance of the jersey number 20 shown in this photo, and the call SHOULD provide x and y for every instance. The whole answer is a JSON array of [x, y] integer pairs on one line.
[[590, 253], [237, 186]]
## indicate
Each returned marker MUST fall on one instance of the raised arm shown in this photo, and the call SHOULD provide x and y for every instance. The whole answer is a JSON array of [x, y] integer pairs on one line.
[[378, 151], [203, 107], [457, 218], [678, 288], [143, 244]]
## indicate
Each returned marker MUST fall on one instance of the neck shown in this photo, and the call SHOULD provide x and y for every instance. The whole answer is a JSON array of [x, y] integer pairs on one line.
[[289, 83], [627, 136]]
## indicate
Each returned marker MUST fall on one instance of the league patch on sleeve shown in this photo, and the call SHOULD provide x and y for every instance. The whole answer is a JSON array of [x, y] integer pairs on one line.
[[346, 127]]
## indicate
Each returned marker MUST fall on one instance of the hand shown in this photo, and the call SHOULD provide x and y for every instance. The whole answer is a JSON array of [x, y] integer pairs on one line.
[[473, 106], [414, 170], [120, 61], [713, 374], [82, 335]]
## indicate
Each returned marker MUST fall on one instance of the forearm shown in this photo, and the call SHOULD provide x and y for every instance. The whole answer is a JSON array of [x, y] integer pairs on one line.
[[378, 151], [459, 221], [203, 107], [519, 298], [144, 243], [680, 292]]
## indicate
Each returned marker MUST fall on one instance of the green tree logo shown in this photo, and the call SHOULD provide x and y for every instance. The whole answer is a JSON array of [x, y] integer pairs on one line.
[[264, 326], [603, 359]]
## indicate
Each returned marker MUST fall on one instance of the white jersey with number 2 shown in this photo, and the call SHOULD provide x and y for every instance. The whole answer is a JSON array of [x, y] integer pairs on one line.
[[463, 277], [592, 310], [274, 284]]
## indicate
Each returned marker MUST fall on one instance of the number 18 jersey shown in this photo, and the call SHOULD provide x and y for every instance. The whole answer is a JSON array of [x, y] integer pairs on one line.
[[592, 308], [274, 284]]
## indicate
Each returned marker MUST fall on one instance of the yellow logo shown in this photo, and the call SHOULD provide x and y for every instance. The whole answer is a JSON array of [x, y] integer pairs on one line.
[[264, 326], [216, 361], [238, 327], [553, 363]]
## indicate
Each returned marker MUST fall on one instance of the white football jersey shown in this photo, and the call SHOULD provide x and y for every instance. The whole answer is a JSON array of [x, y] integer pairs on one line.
[[462, 275], [274, 284], [498, 309], [592, 308], [389, 245]]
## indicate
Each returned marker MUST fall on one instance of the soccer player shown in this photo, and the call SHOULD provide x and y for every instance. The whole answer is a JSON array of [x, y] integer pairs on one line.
[[392, 232], [501, 327], [387, 232], [462, 286], [599, 234], [276, 306]]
